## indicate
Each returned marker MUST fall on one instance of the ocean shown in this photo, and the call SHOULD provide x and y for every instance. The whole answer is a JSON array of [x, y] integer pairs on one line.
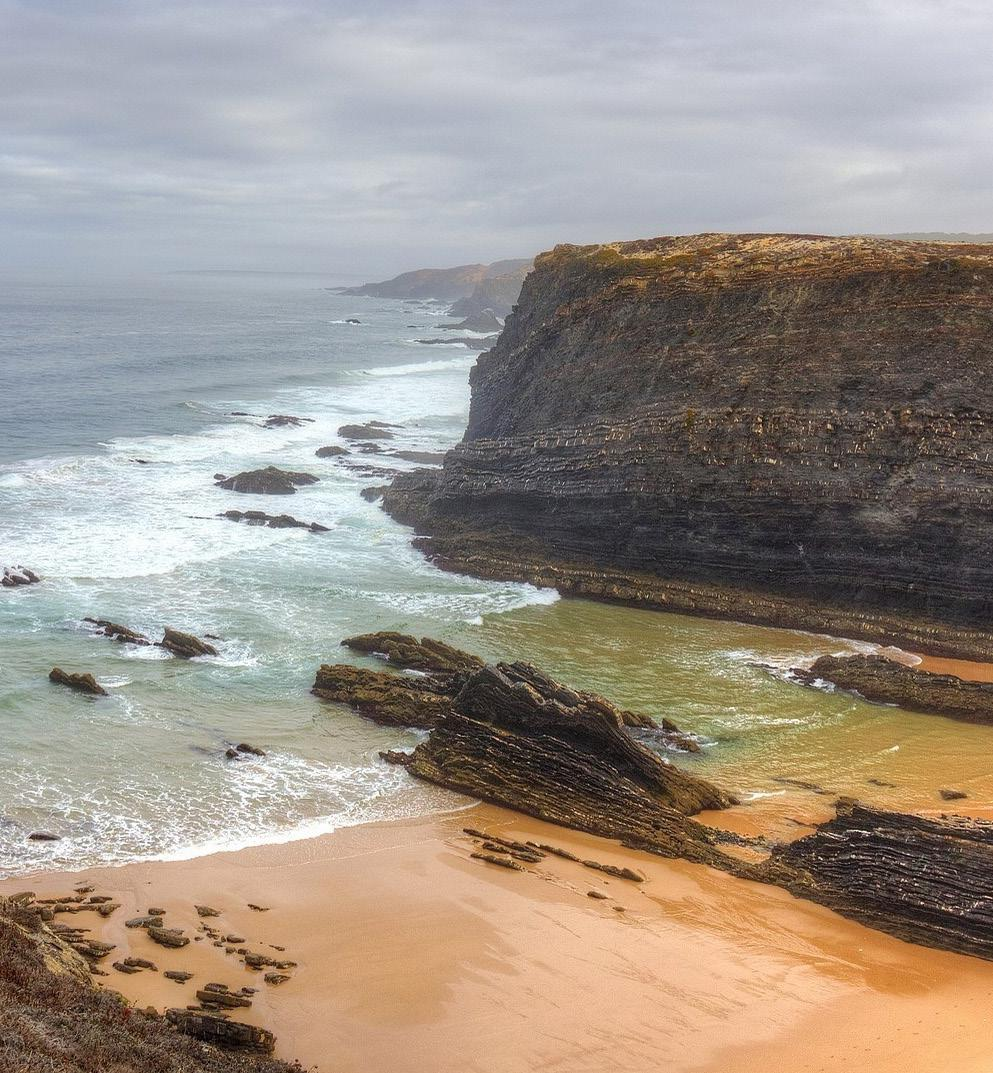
[[119, 412]]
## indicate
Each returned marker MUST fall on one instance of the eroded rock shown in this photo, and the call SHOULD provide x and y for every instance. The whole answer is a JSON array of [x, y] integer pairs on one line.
[[13, 577], [82, 683], [371, 430], [888, 682], [186, 645], [270, 481], [272, 521]]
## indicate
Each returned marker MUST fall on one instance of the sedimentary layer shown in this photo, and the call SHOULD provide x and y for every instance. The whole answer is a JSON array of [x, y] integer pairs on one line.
[[786, 429]]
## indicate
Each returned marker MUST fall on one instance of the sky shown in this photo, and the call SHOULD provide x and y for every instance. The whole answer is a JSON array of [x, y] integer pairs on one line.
[[368, 136]]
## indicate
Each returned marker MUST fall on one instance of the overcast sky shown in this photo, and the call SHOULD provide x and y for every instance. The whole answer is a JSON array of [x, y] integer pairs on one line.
[[371, 136]]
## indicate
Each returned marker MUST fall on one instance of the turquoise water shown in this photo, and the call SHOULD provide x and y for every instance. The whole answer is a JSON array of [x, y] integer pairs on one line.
[[100, 374]]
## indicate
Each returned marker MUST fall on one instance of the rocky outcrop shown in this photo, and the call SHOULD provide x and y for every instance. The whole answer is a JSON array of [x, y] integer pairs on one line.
[[887, 682], [270, 481], [778, 429], [450, 284], [15, 576], [371, 430], [483, 321], [498, 292], [331, 451], [272, 521], [222, 1032], [82, 683], [440, 673], [922, 879], [186, 645], [117, 632]]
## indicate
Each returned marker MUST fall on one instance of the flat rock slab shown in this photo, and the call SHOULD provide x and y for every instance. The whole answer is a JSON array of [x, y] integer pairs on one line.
[[270, 481]]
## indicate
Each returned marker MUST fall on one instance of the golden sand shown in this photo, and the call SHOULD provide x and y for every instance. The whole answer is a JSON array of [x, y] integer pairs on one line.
[[414, 958]]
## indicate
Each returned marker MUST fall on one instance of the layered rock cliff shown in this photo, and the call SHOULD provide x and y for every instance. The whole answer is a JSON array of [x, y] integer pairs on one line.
[[776, 428]]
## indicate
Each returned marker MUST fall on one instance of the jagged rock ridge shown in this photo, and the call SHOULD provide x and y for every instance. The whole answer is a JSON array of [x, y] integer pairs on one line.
[[776, 428]]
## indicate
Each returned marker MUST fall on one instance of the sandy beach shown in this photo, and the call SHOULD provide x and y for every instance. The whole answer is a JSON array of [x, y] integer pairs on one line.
[[413, 957]]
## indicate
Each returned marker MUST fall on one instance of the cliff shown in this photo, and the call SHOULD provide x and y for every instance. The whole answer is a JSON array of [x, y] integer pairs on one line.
[[475, 287], [776, 428]]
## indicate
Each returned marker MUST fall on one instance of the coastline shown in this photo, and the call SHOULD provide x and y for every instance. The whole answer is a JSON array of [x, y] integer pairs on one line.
[[413, 956]]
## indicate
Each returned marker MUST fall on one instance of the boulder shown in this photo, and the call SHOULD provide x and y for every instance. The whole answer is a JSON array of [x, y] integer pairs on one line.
[[273, 521], [185, 645], [82, 683], [331, 451], [270, 481], [171, 937], [15, 576], [44, 836]]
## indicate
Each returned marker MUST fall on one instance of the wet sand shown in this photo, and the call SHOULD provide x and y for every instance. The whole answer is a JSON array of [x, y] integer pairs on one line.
[[412, 957]]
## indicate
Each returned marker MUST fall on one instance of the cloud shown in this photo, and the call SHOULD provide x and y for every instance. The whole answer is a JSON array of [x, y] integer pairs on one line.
[[380, 135]]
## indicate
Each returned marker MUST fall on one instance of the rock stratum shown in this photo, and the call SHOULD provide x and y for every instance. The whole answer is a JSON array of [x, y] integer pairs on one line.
[[513, 736], [774, 428]]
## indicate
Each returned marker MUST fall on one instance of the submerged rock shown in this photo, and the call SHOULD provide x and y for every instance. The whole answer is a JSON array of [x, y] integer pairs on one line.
[[371, 430], [82, 683], [387, 699], [285, 421], [887, 682], [186, 645], [273, 521], [270, 481]]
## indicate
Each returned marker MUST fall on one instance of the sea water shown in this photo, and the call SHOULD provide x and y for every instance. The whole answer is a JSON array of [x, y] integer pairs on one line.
[[119, 401]]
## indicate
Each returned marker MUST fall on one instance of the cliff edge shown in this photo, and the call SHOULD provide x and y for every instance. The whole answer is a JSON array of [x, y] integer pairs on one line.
[[788, 429]]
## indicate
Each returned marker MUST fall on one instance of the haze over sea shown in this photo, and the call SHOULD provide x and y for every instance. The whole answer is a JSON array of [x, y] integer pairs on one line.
[[99, 374]]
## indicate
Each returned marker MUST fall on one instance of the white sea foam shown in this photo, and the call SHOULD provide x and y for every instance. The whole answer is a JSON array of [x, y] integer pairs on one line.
[[443, 365]]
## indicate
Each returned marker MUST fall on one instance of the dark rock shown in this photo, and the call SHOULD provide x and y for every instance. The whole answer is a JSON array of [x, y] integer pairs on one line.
[[644, 432], [149, 921], [128, 969], [597, 894], [258, 908], [331, 451], [352, 320], [185, 645], [15, 576], [154, 911], [212, 1028], [952, 795], [275, 978], [285, 421], [270, 481], [252, 750], [372, 430], [172, 937], [408, 653], [887, 682], [140, 963], [223, 998], [178, 975], [273, 521], [43, 836], [207, 911], [82, 683], [370, 495], [119, 633], [395, 756]]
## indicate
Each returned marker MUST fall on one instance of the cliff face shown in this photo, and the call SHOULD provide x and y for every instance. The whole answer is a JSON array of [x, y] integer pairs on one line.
[[779, 428]]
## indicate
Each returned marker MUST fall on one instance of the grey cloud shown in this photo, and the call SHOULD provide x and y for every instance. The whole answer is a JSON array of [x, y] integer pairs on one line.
[[379, 135]]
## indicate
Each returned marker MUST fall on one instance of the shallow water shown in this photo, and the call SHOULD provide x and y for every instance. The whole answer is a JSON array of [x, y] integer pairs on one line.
[[98, 375]]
